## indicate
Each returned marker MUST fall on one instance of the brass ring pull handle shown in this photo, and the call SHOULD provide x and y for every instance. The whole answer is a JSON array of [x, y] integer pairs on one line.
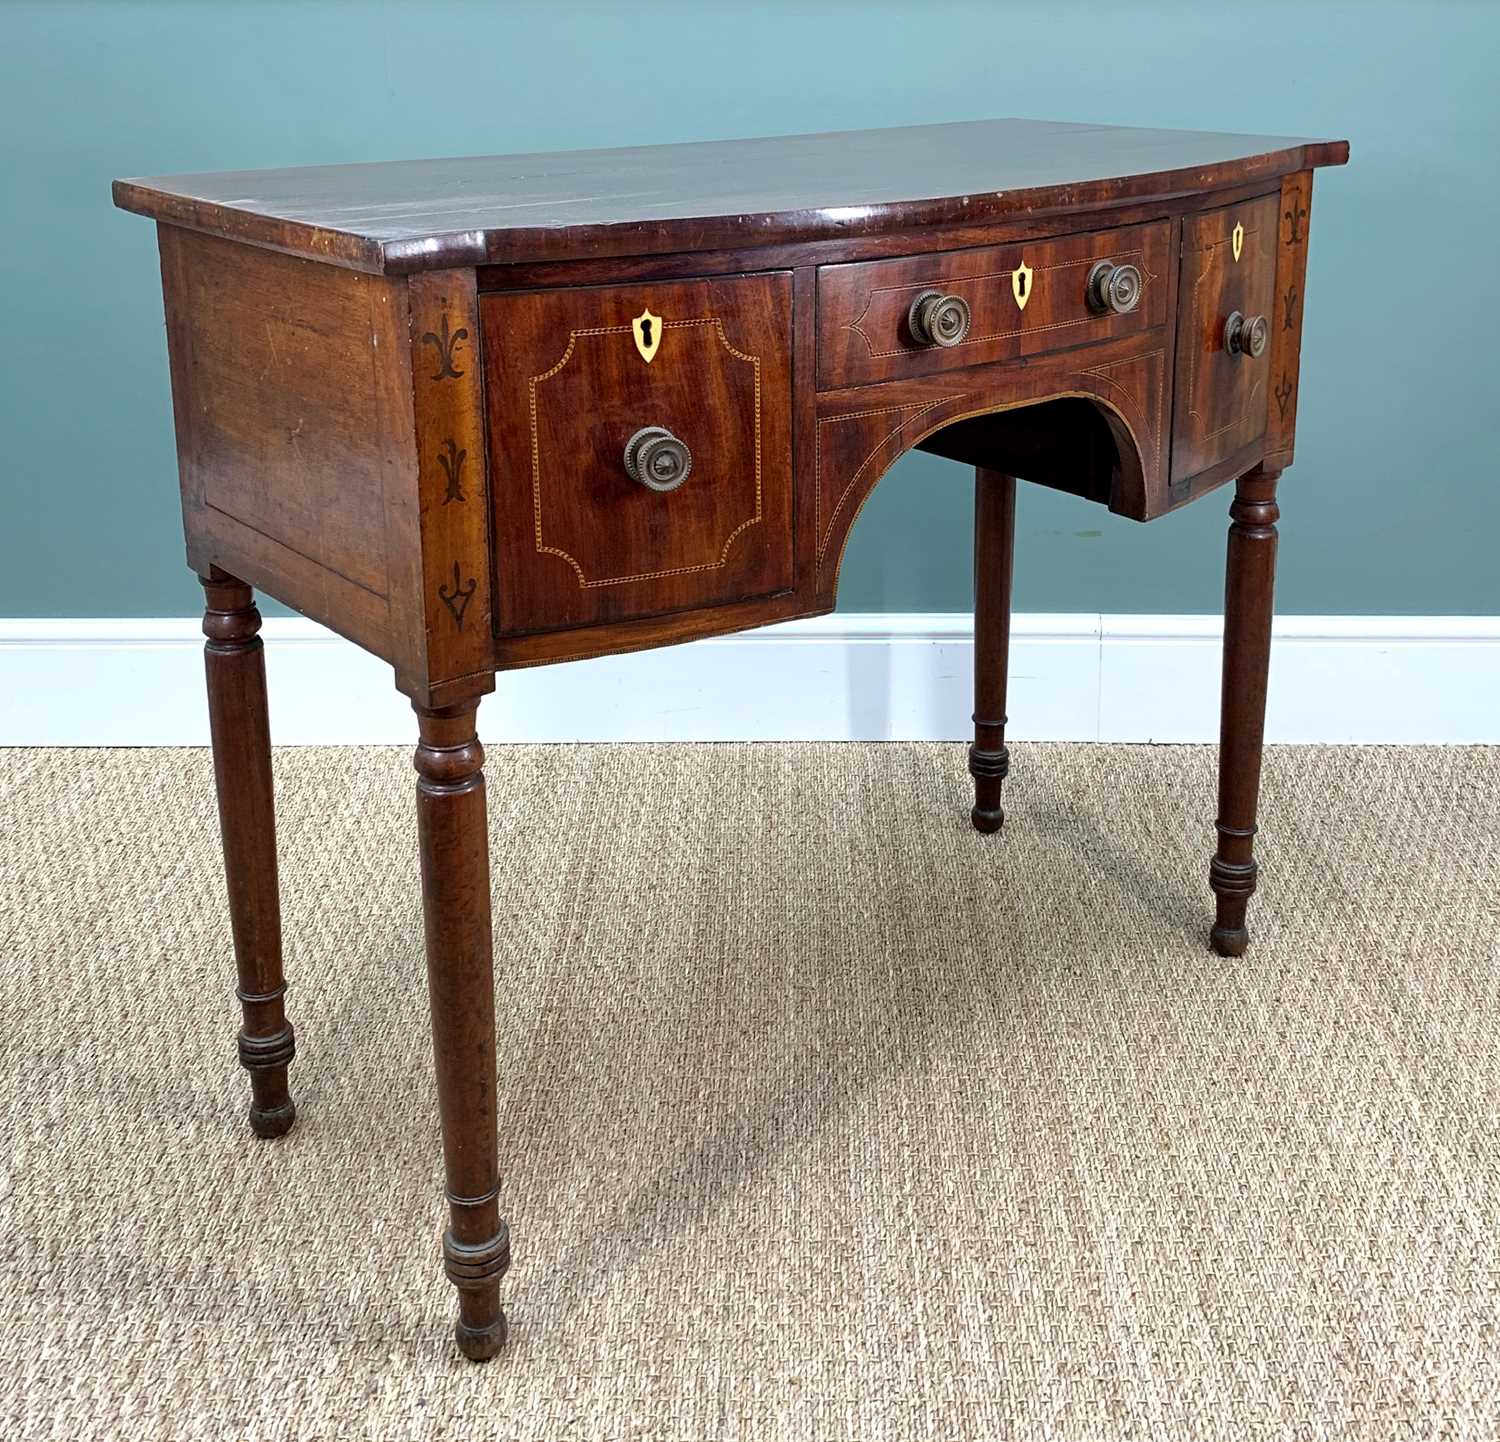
[[938, 319], [657, 459], [1246, 335], [1115, 288]]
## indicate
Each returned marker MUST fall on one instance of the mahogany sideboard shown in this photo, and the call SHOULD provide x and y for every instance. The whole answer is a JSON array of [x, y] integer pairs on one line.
[[486, 413]]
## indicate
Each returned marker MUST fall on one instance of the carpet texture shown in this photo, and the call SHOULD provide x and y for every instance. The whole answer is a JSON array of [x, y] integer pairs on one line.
[[821, 1115]]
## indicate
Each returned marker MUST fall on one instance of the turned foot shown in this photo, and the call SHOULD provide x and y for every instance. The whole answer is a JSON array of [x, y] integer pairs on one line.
[[475, 1269], [480, 1344], [271, 1122], [266, 1058], [1229, 941], [989, 769], [1233, 885]]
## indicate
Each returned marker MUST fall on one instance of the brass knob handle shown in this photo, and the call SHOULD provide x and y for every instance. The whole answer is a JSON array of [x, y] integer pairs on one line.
[[1246, 335], [657, 459], [938, 319], [1114, 287]]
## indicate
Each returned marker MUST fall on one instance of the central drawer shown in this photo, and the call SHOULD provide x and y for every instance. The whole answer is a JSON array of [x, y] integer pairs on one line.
[[1021, 300], [640, 448]]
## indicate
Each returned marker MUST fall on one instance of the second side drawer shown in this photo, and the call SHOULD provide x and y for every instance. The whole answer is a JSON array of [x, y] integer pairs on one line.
[[1228, 268], [1022, 300]]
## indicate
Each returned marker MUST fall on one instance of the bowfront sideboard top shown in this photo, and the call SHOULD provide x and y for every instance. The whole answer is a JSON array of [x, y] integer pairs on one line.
[[404, 391], [402, 216], [487, 413]]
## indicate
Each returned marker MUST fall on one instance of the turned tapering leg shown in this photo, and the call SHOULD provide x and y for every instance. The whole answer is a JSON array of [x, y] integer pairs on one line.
[[1250, 575], [460, 978], [994, 553], [236, 670]]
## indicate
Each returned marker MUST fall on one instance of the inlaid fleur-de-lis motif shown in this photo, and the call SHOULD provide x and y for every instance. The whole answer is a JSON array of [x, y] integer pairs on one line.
[[1283, 394], [1294, 216], [451, 459], [447, 348], [1289, 309], [457, 600]]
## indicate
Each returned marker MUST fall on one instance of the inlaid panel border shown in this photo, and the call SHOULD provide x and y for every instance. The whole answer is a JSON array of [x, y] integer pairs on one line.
[[543, 548]]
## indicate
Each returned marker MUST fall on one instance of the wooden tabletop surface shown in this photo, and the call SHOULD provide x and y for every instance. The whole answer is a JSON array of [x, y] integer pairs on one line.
[[410, 215]]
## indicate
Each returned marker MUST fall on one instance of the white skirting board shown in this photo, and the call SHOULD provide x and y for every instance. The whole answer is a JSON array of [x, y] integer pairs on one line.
[[851, 677]]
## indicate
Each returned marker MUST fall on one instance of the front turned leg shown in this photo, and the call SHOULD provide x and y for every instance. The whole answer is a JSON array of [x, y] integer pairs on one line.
[[454, 843], [1250, 575], [994, 553], [235, 665]]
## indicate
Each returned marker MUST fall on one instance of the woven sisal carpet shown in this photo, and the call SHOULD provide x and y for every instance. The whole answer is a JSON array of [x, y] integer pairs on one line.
[[823, 1116]]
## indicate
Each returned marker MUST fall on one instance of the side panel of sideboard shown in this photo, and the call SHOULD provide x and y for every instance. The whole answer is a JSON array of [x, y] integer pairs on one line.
[[292, 398], [327, 452]]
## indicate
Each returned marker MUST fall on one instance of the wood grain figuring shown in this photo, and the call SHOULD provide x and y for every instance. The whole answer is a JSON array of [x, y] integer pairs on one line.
[[577, 540], [1221, 399], [1286, 326], [273, 346], [863, 331], [640, 633], [239, 727], [447, 386], [439, 214], [294, 446], [874, 245]]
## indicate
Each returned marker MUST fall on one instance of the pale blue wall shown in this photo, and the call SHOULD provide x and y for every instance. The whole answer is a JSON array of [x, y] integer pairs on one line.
[[1394, 505]]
